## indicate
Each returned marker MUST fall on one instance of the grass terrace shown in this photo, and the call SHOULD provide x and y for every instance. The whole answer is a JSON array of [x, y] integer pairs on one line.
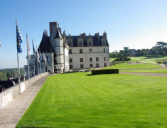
[[132, 66], [83, 100], [147, 71], [151, 60]]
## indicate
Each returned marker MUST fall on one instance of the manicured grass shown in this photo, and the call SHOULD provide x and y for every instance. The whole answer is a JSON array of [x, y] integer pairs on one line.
[[83, 100], [151, 60], [132, 66], [147, 71], [111, 59]]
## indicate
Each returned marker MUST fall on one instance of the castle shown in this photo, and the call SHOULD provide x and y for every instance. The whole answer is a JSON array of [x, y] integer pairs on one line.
[[68, 52]]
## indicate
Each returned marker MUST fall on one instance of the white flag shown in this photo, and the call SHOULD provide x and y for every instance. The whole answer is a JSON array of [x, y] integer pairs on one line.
[[38, 56], [44, 58], [28, 48]]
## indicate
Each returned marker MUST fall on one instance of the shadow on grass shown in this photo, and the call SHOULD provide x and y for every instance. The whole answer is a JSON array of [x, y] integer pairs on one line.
[[89, 75]]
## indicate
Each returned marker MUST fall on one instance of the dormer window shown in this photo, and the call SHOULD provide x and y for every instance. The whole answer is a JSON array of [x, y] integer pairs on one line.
[[103, 42], [69, 43], [80, 42], [90, 42]]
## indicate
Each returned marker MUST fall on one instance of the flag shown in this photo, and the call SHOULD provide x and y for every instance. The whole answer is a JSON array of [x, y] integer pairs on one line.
[[19, 40], [28, 49], [44, 58], [47, 58], [33, 47], [38, 56]]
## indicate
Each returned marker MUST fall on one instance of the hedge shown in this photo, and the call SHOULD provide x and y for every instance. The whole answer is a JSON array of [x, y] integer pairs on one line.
[[105, 71]]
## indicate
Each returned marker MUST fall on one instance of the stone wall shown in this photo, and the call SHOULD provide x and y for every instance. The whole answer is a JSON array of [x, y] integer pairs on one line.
[[10, 93], [97, 51]]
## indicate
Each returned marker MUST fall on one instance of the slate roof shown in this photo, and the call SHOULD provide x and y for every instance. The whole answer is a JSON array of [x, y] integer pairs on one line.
[[58, 34], [45, 45], [96, 42]]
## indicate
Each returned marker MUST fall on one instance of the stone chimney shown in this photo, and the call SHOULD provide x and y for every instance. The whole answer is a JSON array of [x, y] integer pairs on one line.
[[97, 35], [104, 35], [52, 25]]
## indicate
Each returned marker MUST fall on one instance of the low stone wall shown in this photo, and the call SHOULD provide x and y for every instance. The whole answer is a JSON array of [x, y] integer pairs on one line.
[[10, 93]]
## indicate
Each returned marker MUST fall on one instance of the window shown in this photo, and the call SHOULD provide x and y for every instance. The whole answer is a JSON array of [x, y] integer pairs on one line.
[[105, 64], [90, 50], [104, 50], [70, 59], [81, 65], [80, 51], [71, 66], [69, 43], [104, 58], [80, 42], [90, 59], [91, 65], [97, 65], [103, 42], [81, 59], [90, 42], [97, 58], [70, 51]]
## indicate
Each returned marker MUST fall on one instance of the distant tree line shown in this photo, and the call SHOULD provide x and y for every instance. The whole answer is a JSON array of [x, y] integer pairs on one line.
[[10, 72], [160, 49]]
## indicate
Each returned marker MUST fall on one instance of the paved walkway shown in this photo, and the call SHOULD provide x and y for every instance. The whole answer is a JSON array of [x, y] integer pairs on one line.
[[13, 111]]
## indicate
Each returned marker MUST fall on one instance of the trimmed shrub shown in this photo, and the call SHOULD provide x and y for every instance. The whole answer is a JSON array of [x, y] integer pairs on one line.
[[160, 62], [105, 71], [123, 59]]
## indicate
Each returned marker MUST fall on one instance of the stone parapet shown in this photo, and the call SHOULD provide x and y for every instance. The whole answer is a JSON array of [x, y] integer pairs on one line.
[[10, 93]]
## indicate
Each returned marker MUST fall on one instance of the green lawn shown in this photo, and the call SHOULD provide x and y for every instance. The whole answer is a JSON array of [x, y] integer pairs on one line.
[[151, 60], [147, 71], [111, 59], [132, 66], [83, 100]]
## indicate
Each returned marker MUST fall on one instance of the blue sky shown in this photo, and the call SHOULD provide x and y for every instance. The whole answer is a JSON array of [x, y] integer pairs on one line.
[[133, 23]]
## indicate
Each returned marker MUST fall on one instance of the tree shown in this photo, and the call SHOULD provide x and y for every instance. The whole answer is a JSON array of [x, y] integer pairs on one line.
[[1, 76], [163, 53], [120, 55], [161, 45], [114, 55]]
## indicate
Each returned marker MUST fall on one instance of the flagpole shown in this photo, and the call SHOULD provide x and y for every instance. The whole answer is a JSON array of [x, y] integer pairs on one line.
[[37, 63], [18, 62], [34, 57], [40, 63], [40, 67], [46, 64], [28, 59]]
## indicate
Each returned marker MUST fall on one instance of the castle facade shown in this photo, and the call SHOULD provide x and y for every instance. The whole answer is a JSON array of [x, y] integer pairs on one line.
[[68, 52]]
